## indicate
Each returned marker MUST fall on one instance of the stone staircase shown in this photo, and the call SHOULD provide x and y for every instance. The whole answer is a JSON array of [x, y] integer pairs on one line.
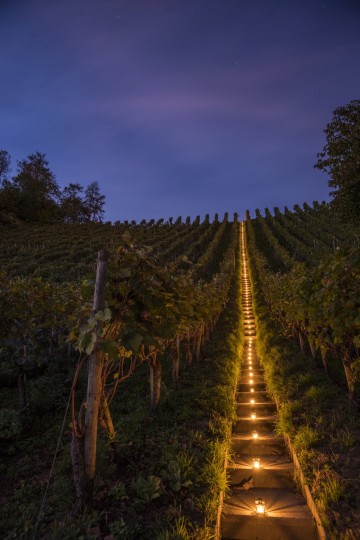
[[285, 513]]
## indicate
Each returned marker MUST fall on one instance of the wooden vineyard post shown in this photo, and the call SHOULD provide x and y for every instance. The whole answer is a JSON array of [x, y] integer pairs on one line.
[[94, 389], [349, 379], [155, 381], [176, 361], [106, 420], [323, 358], [188, 348], [301, 340]]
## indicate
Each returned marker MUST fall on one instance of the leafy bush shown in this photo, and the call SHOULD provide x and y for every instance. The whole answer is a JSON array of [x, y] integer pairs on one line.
[[148, 488], [10, 425], [175, 476], [48, 393]]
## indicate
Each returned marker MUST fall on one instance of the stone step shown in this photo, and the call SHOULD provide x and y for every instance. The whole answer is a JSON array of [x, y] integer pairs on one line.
[[268, 462], [267, 444], [246, 425], [245, 387], [265, 419], [286, 516], [261, 400], [262, 478], [266, 408], [252, 380], [244, 397], [257, 371]]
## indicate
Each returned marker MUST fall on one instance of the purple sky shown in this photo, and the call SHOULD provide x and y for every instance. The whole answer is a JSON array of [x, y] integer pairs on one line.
[[178, 107]]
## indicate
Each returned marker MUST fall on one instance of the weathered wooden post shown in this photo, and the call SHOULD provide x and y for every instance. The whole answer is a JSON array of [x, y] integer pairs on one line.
[[94, 389]]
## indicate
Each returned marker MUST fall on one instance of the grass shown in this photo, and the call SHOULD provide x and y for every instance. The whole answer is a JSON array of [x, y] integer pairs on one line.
[[305, 438]]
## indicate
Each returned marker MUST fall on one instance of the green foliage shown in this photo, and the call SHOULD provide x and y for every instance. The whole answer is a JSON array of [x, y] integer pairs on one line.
[[118, 491], [147, 489], [323, 425], [145, 444], [285, 422], [305, 438], [34, 196], [123, 531], [48, 393], [10, 425], [175, 476], [329, 488], [340, 159], [320, 303]]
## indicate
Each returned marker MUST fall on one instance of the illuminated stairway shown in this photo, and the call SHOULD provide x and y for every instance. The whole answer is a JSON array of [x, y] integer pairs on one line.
[[261, 471]]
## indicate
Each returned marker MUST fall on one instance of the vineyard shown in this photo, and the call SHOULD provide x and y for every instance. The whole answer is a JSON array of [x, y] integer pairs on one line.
[[118, 370]]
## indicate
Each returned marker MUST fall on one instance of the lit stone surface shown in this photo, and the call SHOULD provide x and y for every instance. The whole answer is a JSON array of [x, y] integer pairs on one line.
[[286, 515]]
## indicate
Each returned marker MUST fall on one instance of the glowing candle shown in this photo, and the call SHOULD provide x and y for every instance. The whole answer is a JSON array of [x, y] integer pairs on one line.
[[255, 435], [253, 416], [260, 506], [256, 463]]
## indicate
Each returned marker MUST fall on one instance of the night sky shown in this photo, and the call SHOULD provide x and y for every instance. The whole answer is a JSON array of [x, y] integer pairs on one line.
[[178, 107]]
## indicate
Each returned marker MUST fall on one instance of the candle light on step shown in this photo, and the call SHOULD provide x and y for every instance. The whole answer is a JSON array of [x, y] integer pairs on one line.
[[255, 435], [253, 416], [260, 506], [256, 463]]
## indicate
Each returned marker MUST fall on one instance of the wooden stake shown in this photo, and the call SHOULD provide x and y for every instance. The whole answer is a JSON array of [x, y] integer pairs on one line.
[[155, 381], [94, 389]]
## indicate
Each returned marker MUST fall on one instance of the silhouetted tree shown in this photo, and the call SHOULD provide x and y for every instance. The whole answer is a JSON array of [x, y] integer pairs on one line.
[[94, 202], [73, 209], [33, 193], [340, 159], [4, 165]]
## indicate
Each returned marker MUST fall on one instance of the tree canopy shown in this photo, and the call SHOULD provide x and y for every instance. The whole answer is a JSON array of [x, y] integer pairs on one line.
[[340, 159], [4, 165], [34, 196]]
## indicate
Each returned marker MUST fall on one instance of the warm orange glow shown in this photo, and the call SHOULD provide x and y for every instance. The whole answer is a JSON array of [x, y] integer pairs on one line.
[[251, 381], [251, 390], [253, 416], [260, 506], [256, 463], [255, 435], [252, 401]]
